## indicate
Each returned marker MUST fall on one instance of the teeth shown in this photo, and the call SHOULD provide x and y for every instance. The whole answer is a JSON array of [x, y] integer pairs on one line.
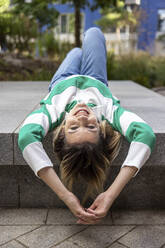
[[82, 111]]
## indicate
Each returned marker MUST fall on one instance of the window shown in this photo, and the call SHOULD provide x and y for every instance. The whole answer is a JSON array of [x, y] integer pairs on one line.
[[161, 20], [63, 24], [66, 23]]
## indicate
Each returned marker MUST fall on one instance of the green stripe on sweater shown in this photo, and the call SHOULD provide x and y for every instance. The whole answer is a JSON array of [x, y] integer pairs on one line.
[[80, 82], [30, 133], [141, 132], [43, 110]]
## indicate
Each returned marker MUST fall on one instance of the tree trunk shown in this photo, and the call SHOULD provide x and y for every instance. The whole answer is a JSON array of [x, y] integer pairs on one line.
[[77, 25]]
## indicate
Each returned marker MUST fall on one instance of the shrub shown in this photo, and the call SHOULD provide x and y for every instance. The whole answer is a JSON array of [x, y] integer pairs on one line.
[[139, 67], [21, 32], [48, 45], [54, 48]]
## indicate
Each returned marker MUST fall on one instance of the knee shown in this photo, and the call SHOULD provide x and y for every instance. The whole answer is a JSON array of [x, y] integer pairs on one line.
[[76, 51], [94, 31]]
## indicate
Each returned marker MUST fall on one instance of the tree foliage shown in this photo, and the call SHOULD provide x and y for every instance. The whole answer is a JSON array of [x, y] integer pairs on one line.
[[37, 10], [4, 4], [117, 17]]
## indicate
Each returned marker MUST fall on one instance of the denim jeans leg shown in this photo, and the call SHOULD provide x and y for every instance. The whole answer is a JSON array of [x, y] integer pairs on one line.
[[94, 57], [70, 66]]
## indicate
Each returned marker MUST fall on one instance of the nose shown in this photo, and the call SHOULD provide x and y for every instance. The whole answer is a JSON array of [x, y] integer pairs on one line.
[[82, 118]]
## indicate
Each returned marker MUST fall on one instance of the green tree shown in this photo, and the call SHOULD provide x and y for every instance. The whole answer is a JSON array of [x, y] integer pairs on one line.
[[4, 4], [80, 4], [22, 31], [37, 10], [117, 17], [16, 31], [4, 21]]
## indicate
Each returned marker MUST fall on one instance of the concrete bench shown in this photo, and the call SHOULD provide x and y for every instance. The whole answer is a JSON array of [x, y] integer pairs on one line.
[[19, 187]]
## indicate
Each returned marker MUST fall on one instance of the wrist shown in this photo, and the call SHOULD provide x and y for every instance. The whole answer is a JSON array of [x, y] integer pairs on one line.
[[64, 195], [111, 194]]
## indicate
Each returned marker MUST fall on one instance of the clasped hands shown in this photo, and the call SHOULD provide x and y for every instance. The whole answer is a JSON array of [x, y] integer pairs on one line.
[[92, 215]]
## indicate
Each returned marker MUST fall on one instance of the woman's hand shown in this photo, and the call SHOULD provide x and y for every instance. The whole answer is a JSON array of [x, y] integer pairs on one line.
[[75, 207], [104, 201], [100, 207]]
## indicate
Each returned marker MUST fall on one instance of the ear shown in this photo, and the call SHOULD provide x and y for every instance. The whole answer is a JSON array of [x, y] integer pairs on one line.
[[62, 132], [103, 129]]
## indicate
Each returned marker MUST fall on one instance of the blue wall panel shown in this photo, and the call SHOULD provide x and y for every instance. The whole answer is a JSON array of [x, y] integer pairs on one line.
[[149, 23]]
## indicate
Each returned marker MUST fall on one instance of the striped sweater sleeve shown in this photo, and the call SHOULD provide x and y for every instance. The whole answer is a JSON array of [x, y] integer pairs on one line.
[[137, 132], [31, 134]]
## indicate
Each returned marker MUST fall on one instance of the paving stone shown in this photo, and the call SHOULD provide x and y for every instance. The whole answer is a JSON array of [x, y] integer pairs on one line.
[[145, 236], [9, 194], [22, 216], [11, 232], [117, 245], [61, 216], [67, 244], [139, 217], [47, 236], [98, 236], [13, 244]]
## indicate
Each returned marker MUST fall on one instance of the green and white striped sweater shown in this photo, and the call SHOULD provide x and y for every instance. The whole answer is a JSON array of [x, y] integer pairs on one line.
[[95, 94]]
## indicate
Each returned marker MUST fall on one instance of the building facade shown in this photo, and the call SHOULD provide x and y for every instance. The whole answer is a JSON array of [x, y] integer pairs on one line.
[[66, 22], [152, 24]]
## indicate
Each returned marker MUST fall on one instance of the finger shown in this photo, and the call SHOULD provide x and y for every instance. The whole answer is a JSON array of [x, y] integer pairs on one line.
[[89, 220], [93, 206], [100, 214], [91, 211], [86, 215]]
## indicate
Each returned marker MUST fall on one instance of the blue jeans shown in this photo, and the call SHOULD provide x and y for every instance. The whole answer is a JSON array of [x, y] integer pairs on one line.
[[90, 60]]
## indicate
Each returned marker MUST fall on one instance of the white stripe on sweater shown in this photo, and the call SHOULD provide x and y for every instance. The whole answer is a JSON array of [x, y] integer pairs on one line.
[[138, 154], [38, 118], [35, 155], [126, 119]]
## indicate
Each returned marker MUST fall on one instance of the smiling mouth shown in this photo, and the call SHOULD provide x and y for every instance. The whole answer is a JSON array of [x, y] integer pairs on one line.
[[82, 112]]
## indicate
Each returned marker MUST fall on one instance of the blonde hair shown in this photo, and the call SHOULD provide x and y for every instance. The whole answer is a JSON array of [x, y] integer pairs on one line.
[[90, 161]]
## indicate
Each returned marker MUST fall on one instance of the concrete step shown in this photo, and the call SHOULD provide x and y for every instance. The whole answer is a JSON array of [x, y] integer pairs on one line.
[[19, 187], [22, 228]]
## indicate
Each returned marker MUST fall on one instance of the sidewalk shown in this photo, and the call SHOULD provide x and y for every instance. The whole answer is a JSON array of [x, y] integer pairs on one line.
[[56, 228]]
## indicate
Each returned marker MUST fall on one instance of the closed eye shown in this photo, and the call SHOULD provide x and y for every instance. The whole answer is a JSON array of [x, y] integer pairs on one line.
[[91, 127], [73, 127]]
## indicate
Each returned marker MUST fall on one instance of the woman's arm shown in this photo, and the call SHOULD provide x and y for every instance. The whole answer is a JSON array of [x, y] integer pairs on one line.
[[103, 202], [49, 176], [124, 176]]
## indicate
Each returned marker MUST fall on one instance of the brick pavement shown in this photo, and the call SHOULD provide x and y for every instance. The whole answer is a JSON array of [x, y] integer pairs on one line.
[[57, 228]]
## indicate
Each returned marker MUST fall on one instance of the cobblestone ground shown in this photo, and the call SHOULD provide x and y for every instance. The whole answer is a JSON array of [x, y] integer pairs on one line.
[[57, 228]]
